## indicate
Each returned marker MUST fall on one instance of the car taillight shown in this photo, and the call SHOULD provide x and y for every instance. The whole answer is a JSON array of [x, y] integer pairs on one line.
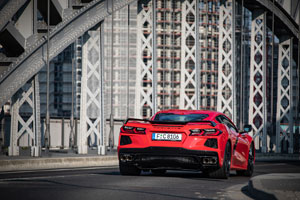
[[133, 130], [140, 130], [205, 132]]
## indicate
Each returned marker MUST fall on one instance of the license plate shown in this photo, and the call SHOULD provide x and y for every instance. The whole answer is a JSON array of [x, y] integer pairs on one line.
[[167, 136]]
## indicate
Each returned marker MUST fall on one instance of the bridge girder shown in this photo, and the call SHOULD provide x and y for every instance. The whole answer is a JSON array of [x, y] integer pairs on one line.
[[34, 58], [76, 24]]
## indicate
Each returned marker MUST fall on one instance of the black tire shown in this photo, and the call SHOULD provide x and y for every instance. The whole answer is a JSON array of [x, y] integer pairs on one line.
[[158, 172], [250, 166], [127, 169], [224, 171]]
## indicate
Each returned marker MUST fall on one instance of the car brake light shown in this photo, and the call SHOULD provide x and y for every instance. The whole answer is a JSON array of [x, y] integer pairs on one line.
[[140, 130], [205, 132], [127, 129], [133, 130]]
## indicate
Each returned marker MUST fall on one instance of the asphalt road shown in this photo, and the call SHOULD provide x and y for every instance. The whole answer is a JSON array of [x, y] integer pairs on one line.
[[107, 183]]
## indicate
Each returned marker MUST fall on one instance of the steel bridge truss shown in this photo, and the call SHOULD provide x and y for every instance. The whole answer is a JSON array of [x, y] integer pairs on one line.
[[91, 110], [257, 111], [146, 69], [226, 74], [20, 79], [189, 56], [29, 126], [285, 115]]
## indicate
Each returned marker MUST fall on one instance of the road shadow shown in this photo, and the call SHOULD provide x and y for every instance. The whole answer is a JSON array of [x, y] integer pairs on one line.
[[254, 193], [195, 175], [106, 188]]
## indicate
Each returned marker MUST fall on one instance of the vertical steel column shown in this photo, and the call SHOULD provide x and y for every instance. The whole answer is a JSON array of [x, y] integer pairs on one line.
[[226, 72], [273, 123], [13, 149], [47, 131], [284, 116], [91, 93], [71, 136], [145, 59], [242, 93], [27, 98], [35, 13], [257, 103], [36, 146], [188, 85], [111, 133], [197, 54], [101, 147], [2, 124], [233, 54], [297, 103], [128, 58], [154, 59]]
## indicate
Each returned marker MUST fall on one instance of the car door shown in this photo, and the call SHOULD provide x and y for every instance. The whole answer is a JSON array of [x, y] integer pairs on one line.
[[240, 146], [242, 149], [233, 135]]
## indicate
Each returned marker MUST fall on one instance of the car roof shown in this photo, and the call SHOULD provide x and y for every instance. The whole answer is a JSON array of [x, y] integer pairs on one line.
[[211, 114]]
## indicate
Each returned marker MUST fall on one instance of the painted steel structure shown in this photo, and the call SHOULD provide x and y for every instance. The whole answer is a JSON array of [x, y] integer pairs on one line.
[[160, 64], [91, 113], [226, 76], [257, 109], [29, 94], [285, 92], [189, 56]]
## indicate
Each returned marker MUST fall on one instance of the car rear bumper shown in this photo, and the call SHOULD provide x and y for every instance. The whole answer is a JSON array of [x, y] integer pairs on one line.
[[169, 158]]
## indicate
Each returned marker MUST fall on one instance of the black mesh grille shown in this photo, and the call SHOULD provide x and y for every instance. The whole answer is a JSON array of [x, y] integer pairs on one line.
[[125, 140], [212, 143]]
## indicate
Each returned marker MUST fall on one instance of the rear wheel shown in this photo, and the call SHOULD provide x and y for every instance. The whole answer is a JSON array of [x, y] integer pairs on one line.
[[250, 166], [224, 171], [127, 169], [158, 172]]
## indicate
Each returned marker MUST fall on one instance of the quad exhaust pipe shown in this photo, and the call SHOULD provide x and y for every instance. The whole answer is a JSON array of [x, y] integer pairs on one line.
[[209, 161], [126, 158]]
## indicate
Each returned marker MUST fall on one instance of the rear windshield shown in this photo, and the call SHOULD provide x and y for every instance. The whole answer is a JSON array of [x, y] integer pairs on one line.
[[171, 117]]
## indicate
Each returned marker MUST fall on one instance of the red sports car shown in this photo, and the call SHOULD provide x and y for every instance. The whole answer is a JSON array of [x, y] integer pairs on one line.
[[207, 141]]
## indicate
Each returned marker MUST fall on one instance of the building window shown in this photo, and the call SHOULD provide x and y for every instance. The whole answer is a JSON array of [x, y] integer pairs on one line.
[[173, 54], [163, 16]]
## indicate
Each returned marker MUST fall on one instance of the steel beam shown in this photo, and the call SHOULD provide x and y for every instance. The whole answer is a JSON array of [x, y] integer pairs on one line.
[[9, 10], [189, 39], [154, 60], [278, 11], [91, 115], [34, 57], [257, 103], [145, 60], [26, 98], [284, 116], [226, 72]]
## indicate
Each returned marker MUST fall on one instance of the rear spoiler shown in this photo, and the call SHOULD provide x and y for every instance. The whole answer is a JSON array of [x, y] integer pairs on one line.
[[135, 119], [162, 122]]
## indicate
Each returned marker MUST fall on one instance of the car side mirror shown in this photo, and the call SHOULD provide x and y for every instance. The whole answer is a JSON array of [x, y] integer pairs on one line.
[[247, 128]]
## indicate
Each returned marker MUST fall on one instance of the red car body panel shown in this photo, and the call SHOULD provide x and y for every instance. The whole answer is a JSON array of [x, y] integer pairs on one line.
[[240, 143]]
